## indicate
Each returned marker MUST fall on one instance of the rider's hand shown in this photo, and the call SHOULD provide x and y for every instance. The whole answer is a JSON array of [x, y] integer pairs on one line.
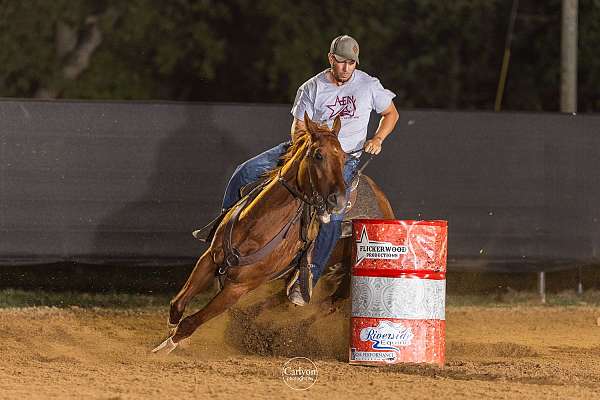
[[373, 146]]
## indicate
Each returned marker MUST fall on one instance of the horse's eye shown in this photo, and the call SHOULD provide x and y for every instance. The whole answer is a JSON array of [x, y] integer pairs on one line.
[[318, 155]]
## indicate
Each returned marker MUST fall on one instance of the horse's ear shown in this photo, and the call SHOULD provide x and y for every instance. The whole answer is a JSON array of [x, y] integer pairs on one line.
[[337, 125], [311, 127]]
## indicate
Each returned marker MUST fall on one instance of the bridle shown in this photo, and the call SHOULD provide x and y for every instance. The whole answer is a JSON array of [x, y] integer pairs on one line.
[[315, 200], [232, 257]]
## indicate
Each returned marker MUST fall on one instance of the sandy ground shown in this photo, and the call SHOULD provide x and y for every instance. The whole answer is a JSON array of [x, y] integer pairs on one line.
[[523, 352]]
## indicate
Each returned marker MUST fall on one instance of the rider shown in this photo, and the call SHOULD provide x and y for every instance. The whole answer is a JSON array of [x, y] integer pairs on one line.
[[339, 90]]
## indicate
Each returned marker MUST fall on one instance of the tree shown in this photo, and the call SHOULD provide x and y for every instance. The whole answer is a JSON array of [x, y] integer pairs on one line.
[[430, 53]]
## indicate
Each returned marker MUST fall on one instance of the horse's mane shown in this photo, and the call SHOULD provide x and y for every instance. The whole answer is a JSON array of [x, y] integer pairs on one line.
[[301, 140]]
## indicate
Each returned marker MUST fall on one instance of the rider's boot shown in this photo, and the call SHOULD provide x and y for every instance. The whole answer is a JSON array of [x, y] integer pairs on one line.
[[206, 233], [300, 286]]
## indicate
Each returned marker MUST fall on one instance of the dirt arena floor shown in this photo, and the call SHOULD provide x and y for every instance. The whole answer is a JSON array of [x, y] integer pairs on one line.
[[492, 352]]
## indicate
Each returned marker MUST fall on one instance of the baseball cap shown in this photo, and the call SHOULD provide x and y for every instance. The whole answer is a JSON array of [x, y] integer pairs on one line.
[[345, 48]]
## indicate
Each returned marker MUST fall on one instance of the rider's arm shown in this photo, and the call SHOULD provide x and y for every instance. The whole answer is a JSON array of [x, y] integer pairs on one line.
[[297, 127], [389, 117]]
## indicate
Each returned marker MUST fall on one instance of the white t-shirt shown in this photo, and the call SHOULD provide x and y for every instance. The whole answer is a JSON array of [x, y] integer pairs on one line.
[[352, 101]]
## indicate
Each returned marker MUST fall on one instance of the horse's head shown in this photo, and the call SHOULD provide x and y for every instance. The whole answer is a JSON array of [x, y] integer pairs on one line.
[[321, 170]]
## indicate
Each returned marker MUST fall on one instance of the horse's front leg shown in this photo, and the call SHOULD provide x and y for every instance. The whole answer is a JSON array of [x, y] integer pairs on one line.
[[198, 280], [221, 302]]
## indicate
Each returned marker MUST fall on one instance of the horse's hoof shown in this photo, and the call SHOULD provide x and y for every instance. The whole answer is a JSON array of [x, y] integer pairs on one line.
[[165, 347]]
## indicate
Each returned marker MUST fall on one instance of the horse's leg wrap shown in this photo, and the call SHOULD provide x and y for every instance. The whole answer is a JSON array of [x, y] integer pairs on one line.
[[175, 316], [170, 324]]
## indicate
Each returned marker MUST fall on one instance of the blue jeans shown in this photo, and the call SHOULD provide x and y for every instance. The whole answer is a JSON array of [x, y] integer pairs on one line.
[[330, 233], [252, 169]]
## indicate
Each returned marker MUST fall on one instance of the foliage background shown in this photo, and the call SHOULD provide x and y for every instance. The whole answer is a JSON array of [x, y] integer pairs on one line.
[[431, 53]]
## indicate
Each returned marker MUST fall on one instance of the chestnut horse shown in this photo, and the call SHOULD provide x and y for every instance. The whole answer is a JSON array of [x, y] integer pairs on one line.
[[311, 172]]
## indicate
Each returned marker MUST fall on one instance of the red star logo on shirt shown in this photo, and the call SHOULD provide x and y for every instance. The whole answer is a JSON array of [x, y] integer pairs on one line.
[[344, 106]]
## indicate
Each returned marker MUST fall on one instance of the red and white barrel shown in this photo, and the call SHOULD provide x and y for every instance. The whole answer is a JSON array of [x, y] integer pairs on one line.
[[398, 292]]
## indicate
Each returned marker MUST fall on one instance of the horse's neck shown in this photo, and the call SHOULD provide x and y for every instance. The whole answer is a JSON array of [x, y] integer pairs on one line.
[[275, 197], [289, 172]]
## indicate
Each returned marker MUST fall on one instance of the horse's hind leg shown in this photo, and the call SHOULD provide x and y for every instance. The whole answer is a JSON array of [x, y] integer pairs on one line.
[[198, 280]]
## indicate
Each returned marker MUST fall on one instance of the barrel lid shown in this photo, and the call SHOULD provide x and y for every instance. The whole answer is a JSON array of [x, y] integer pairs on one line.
[[434, 222]]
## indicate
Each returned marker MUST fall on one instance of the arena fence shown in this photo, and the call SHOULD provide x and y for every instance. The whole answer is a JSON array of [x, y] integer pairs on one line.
[[126, 182]]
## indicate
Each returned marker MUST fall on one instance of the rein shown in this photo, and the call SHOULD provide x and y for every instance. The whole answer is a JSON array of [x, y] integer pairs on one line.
[[361, 169], [316, 200], [232, 257]]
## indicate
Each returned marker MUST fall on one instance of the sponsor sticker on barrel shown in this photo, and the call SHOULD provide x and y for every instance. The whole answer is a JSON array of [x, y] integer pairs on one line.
[[398, 292], [374, 250]]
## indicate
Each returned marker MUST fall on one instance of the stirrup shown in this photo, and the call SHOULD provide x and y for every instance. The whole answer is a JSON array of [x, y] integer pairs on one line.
[[206, 233], [301, 281]]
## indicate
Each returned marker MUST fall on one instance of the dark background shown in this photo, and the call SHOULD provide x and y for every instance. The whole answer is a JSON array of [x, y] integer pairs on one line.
[[104, 193], [126, 183], [431, 53]]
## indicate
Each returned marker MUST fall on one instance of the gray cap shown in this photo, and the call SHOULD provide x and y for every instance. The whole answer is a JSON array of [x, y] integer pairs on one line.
[[345, 48]]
